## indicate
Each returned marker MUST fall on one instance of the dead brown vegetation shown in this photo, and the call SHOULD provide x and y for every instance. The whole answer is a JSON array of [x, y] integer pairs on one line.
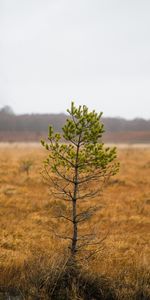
[[32, 260]]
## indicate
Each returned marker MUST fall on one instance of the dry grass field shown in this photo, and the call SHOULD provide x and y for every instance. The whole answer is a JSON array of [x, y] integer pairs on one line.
[[29, 251]]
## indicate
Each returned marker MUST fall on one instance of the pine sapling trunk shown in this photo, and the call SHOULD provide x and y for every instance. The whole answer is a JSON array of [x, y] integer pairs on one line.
[[74, 208], [75, 228]]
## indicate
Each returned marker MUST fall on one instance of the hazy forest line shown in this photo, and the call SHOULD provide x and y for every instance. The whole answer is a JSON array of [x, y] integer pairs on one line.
[[31, 127]]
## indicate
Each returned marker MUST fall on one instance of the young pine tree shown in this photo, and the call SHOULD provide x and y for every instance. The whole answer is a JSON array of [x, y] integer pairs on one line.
[[77, 167]]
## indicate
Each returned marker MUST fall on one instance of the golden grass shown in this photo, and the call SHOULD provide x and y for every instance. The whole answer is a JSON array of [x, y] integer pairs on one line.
[[26, 219]]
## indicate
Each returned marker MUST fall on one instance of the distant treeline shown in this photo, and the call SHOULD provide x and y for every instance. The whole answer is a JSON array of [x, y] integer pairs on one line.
[[33, 126]]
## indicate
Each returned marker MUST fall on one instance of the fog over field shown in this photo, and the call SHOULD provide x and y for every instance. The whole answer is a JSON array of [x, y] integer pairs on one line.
[[94, 52]]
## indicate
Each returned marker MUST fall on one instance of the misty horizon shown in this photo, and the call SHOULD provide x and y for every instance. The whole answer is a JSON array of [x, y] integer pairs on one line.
[[94, 52], [9, 110]]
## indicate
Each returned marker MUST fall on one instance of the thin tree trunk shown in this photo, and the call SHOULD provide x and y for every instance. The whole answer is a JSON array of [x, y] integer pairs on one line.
[[75, 229], [74, 208]]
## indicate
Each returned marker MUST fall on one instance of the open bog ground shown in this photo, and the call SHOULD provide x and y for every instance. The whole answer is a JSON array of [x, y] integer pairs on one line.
[[29, 250]]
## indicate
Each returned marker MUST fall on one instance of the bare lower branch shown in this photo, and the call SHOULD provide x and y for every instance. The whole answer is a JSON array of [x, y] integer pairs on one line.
[[91, 194], [61, 196], [93, 177], [89, 243], [64, 217], [63, 176], [64, 237], [87, 214], [56, 184]]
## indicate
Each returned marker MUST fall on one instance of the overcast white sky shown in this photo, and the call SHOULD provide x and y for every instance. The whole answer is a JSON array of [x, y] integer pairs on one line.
[[95, 52]]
